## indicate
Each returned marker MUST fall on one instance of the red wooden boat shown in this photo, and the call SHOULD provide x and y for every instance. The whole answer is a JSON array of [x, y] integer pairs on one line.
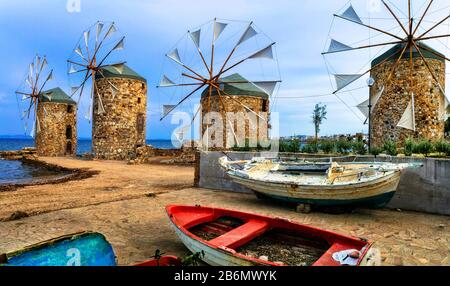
[[232, 238], [167, 260]]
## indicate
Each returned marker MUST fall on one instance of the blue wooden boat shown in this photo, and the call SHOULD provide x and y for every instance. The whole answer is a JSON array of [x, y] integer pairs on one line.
[[79, 249]]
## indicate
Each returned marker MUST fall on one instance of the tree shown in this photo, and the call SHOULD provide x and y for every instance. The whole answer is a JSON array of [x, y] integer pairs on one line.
[[447, 126], [319, 115]]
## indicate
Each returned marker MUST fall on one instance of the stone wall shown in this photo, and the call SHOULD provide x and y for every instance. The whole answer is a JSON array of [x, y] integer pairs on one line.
[[147, 153], [58, 129], [120, 130], [256, 104], [426, 189], [394, 101]]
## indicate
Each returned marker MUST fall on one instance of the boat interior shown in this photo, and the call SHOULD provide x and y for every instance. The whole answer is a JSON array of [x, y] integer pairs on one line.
[[260, 239]]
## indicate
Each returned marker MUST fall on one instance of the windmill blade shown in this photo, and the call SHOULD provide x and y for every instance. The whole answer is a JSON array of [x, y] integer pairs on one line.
[[86, 38], [113, 91], [166, 82], [248, 34], [408, 119], [175, 56], [364, 108], [72, 69], [80, 53], [44, 64], [343, 80], [267, 86], [38, 63], [218, 29], [266, 53], [119, 67], [30, 74], [351, 14], [168, 109], [101, 108], [120, 45], [112, 29], [336, 46], [99, 31], [28, 81], [195, 36]]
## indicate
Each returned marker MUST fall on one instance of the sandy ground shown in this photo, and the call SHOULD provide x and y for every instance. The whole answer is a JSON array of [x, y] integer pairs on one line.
[[116, 203]]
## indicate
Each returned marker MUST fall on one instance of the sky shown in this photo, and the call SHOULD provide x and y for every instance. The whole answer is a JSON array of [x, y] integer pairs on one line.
[[301, 30]]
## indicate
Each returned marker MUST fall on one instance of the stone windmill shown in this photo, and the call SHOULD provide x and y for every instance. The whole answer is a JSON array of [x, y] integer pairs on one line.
[[50, 113], [407, 82], [118, 95], [214, 78]]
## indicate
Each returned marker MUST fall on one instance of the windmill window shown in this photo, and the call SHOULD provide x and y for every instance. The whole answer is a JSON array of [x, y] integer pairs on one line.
[[69, 132], [69, 109], [264, 105], [143, 86], [139, 100]]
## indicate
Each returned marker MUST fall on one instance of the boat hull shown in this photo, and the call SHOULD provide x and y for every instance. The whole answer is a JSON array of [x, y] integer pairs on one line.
[[223, 245], [374, 194], [80, 249]]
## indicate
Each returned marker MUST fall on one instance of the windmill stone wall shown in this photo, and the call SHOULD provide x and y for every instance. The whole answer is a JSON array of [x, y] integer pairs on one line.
[[57, 115], [120, 130], [429, 101], [236, 96]]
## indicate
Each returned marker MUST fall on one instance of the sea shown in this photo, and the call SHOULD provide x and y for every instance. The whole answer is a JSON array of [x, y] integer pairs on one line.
[[84, 145]]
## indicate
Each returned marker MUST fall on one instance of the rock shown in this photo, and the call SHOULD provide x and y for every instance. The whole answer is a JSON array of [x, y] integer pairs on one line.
[[423, 260], [265, 258], [17, 215]]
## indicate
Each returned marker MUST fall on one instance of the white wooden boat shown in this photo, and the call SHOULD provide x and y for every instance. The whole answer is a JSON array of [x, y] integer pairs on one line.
[[318, 183]]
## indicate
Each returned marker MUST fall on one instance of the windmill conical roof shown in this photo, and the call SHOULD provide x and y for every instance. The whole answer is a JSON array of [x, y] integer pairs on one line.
[[110, 72], [394, 53], [242, 88], [56, 95]]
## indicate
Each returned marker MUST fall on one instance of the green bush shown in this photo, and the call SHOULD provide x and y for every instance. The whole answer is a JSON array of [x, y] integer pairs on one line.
[[390, 147], [442, 147], [410, 146], [310, 148], [344, 146], [375, 151], [328, 146], [359, 147], [424, 147], [289, 146]]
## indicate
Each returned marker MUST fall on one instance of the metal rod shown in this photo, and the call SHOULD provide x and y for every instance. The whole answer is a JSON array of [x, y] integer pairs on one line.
[[183, 100], [370, 27], [435, 53], [396, 18], [423, 16], [365, 47], [432, 28], [426, 63]]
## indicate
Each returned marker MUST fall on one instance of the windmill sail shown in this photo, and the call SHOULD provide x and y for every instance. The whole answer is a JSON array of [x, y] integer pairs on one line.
[[195, 36], [336, 46], [175, 56], [168, 109], [248, 34], [408, 119], [343, 80], [119, 45], [351, 15], [165, 82], [266, 86], [218, 29], [99, 31], [266, 53], [112, 29], [364, 108]]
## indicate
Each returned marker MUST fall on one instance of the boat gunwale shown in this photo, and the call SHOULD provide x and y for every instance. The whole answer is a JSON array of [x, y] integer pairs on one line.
[[270, 220]]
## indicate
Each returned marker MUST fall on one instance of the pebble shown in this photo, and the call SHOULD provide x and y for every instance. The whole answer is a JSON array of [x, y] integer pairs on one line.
[[265, 258]]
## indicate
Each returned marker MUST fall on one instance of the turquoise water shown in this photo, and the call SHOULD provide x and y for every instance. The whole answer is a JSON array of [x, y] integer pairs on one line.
[[84, 146]]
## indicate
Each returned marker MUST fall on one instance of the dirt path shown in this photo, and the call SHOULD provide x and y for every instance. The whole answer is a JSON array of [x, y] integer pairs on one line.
[[137, 225], [116, 181]]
